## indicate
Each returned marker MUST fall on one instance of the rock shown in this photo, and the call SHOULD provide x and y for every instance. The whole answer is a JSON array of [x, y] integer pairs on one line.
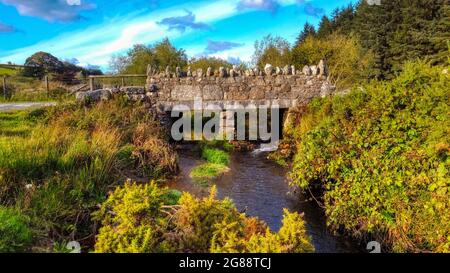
[[268, 69], [307, 70], [278, 71], [93, 96], [293, 71], [177, 72], [314, 70], [149, 70], [189, 72], [209, 72], [327, 89], [222, 72], [167, 73], [323, 69], [133, 90], [256, 71], [200, 73], [286, 70]]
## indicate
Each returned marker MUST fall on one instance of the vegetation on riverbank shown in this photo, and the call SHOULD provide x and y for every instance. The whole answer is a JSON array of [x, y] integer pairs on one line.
[[142, 219], [381, 157], [216, 155], [57, 173]]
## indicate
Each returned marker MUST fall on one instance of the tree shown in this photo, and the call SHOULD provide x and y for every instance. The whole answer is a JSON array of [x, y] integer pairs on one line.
[[272, 50], [325, 27], [205, 62], [42, 63], [159, 56], [167, 55], [346, 59], [308, 30]]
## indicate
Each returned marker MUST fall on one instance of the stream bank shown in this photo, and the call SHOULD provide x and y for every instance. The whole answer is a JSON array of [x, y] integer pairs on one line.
[[259, 188]]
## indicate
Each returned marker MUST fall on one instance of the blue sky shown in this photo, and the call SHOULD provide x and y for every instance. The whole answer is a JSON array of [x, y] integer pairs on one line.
[[91, 31]]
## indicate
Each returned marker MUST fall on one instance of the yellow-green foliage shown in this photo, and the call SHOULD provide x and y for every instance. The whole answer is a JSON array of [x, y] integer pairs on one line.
[[250, 236], [61, 170], [138, 218], [15, 234], [382, 156], [344, 55]]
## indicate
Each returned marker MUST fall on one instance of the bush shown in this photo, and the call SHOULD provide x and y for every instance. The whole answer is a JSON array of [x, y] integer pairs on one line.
[[345, 57], [137, 218], [15, 233], [381, 156]]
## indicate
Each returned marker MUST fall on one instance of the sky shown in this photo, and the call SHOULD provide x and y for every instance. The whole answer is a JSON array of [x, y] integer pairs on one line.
[[89, 32]]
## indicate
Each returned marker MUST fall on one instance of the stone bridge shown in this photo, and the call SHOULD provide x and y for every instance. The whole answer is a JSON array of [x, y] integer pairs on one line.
[[273, 87], [285, 88]]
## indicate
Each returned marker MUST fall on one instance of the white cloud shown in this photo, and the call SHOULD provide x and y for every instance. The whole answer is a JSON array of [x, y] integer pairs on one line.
[[50, 10]]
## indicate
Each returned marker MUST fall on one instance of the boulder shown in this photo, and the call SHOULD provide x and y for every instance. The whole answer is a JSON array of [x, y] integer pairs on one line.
[[314, 70], [268, 69], [200, 73], [222, 72], [327, 89], [307, 70], [323, 69], [93, 96]]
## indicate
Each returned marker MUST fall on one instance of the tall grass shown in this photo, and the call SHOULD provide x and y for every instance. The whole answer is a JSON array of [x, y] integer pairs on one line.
[[60, 171]]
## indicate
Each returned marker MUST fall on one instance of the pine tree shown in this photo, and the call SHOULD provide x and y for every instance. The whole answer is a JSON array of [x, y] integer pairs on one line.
[[325, 27], [308, 30]]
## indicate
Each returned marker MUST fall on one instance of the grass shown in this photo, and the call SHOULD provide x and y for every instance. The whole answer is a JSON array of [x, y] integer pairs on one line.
[[19, 123], [57, 165], [8, 71], [24, 89], [205, 173], [216, 154]]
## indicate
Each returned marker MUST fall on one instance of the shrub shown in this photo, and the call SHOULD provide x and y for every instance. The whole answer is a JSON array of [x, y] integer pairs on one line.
[[15, 233], [139, 218], [382, 158]]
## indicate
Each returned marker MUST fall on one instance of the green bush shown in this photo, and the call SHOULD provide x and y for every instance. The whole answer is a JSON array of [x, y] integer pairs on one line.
[[15, 233], [138, 219], [381, 156]]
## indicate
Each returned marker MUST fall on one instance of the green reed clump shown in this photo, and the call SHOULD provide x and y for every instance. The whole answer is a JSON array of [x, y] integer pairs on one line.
[[216, 154]]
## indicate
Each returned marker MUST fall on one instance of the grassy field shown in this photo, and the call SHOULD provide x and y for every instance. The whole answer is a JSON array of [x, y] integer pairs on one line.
[[8, 71], [18, 123]]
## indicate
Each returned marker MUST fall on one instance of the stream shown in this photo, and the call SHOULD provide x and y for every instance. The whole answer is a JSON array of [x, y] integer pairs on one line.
[[259, 187]]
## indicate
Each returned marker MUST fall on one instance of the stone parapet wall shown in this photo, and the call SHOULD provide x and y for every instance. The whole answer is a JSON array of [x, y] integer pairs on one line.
[[287, 86]]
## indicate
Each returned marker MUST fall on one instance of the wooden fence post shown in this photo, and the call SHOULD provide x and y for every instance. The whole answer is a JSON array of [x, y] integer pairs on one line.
[[4, 86], [47, 86], [123, 82], [91, 83]]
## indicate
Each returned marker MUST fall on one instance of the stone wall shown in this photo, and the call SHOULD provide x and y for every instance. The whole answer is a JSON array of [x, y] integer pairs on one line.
[[286, 87]]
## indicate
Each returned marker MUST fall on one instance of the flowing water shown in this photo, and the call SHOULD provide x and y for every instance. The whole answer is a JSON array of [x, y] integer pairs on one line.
[[259, 187]]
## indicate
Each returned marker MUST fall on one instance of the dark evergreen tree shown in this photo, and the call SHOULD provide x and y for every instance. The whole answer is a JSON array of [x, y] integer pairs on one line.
[[308, 30]]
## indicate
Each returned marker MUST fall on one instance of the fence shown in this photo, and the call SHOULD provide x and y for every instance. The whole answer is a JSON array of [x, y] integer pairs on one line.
[[117, 81], [19, 88]]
